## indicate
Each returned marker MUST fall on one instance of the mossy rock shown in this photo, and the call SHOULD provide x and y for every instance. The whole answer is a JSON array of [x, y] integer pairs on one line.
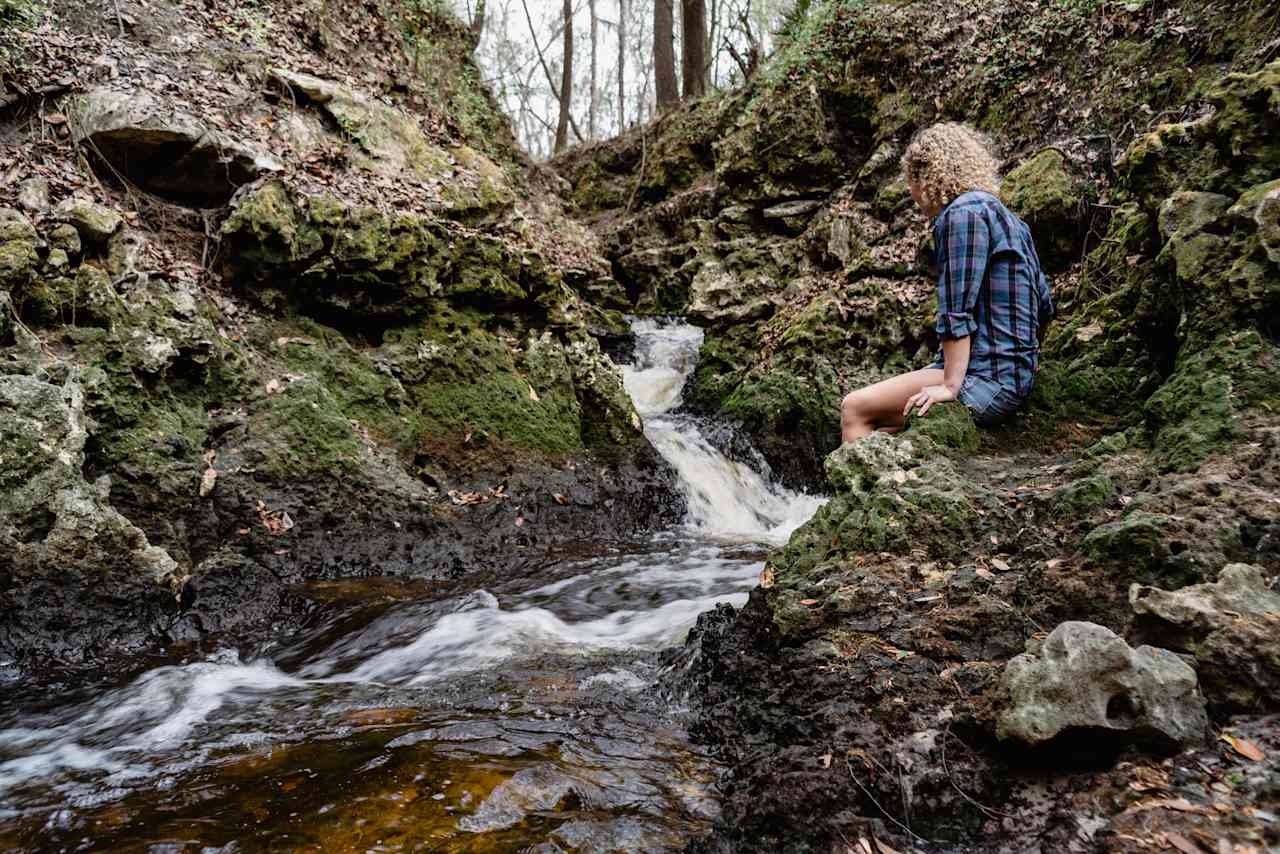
[[18, 255], [1081, 497], [888, 494], [302, 432], [1198, 410], [947, 425], [1053, 201]]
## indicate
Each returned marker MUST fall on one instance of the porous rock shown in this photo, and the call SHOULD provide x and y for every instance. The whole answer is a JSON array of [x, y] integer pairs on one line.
[[1085, 677], [164, 149], [1230, 628], [94, 222], [18, 256]]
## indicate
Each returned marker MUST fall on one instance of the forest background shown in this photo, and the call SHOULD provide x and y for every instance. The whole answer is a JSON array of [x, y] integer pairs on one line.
[[615, 78]]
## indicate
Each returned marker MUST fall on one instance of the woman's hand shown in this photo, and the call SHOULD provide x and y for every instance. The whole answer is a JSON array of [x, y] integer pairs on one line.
[[928, 396]]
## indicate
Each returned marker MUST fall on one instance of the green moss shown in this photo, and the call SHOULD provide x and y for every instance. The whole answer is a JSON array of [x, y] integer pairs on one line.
[[301, 432], [1198, 409], [363, 392], [470, 387], [18, 257], [269, 230], [947, 425], [1078, 499], [1043, 192]]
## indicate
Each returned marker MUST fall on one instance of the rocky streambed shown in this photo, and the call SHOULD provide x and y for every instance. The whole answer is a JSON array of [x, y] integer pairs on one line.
[[532, 714]]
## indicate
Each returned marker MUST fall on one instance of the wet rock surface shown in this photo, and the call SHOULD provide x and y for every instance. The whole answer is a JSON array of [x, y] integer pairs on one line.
[[368, 351]]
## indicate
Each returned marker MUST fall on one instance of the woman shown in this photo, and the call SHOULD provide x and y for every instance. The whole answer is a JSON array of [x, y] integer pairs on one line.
[[993, 301]]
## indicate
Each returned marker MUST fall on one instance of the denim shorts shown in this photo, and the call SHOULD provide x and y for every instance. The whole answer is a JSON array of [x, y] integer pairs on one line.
[[988, 401]]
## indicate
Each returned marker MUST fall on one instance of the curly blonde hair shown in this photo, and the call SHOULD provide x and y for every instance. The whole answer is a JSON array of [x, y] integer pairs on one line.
[[947, 159]]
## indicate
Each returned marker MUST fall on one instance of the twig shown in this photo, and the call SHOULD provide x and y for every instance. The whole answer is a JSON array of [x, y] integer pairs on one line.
[[18, 320], [119, 17], [989, 812], [639, 176], [873, 800]]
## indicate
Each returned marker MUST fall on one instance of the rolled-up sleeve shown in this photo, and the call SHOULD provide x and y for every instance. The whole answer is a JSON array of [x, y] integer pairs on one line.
[[963, 241]]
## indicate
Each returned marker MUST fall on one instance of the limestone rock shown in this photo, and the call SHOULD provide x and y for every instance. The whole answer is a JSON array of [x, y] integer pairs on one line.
[[95, 223], [18, 257], [1230, 628], [1045, 193], [392, 143], [794, 214], [65, 237], [166, 150], [1261, 205], [62, 521], [1086, 677], [1187, 212], [716, 295], [33, 195]]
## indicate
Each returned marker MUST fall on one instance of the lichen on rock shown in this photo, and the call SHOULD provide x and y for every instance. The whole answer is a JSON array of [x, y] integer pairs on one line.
[[1084, 676]]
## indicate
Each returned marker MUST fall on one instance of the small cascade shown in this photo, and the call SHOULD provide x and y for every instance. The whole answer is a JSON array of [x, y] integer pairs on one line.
[[727, 500], [513, 718]]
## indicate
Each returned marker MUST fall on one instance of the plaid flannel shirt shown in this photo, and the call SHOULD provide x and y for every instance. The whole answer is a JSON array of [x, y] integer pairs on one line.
[[990, 287]]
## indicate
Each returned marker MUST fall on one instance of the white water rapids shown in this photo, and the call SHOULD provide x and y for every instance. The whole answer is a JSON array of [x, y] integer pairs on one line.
[[476, 652]]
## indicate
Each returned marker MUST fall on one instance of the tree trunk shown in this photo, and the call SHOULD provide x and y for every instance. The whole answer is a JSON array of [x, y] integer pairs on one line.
[[622, 65], [664, 54], [594, 107], [566, 80], [693, 53], [477, 26]]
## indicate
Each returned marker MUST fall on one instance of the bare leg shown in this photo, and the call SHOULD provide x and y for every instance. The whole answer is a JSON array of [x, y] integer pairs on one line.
[[879, 406]]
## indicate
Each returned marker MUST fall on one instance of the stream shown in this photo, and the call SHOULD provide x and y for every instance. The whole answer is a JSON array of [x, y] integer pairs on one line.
[[519, 718]]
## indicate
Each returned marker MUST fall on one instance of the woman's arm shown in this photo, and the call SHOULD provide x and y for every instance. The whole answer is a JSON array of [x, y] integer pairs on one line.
[[955, 362]]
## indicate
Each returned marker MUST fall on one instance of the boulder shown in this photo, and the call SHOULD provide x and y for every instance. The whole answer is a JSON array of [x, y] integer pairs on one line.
[[1085, 677], [166, 150], [1230, 628], [94, 223], [1045, 193], [18, 257], [718, 296]]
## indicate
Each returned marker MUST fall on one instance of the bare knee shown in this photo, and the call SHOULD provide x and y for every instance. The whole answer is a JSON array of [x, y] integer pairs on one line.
[[854, 404]]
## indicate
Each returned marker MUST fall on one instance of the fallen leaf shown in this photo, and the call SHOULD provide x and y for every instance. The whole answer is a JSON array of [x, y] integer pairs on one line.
[[1054, 562], [983, 572], [1179, 804], [533, 395], [560, 499], [1177, 840], [808, 601], [1245, 748], [999, 564], [1087, 333], [56, 119], [208, 481]]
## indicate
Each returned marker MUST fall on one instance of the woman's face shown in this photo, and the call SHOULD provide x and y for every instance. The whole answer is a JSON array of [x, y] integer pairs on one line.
[[917, 195]]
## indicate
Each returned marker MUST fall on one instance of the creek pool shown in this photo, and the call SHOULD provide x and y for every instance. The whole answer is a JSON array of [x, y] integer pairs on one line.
[[531, 717]]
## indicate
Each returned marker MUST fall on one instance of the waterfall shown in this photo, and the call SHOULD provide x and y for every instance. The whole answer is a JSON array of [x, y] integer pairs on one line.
[[727, 500]]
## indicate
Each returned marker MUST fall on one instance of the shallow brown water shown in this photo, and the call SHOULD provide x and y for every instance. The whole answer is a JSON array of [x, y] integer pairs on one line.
[[530, 717]]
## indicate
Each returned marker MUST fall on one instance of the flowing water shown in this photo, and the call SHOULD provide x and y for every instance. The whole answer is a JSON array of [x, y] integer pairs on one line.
[[520, 719]]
